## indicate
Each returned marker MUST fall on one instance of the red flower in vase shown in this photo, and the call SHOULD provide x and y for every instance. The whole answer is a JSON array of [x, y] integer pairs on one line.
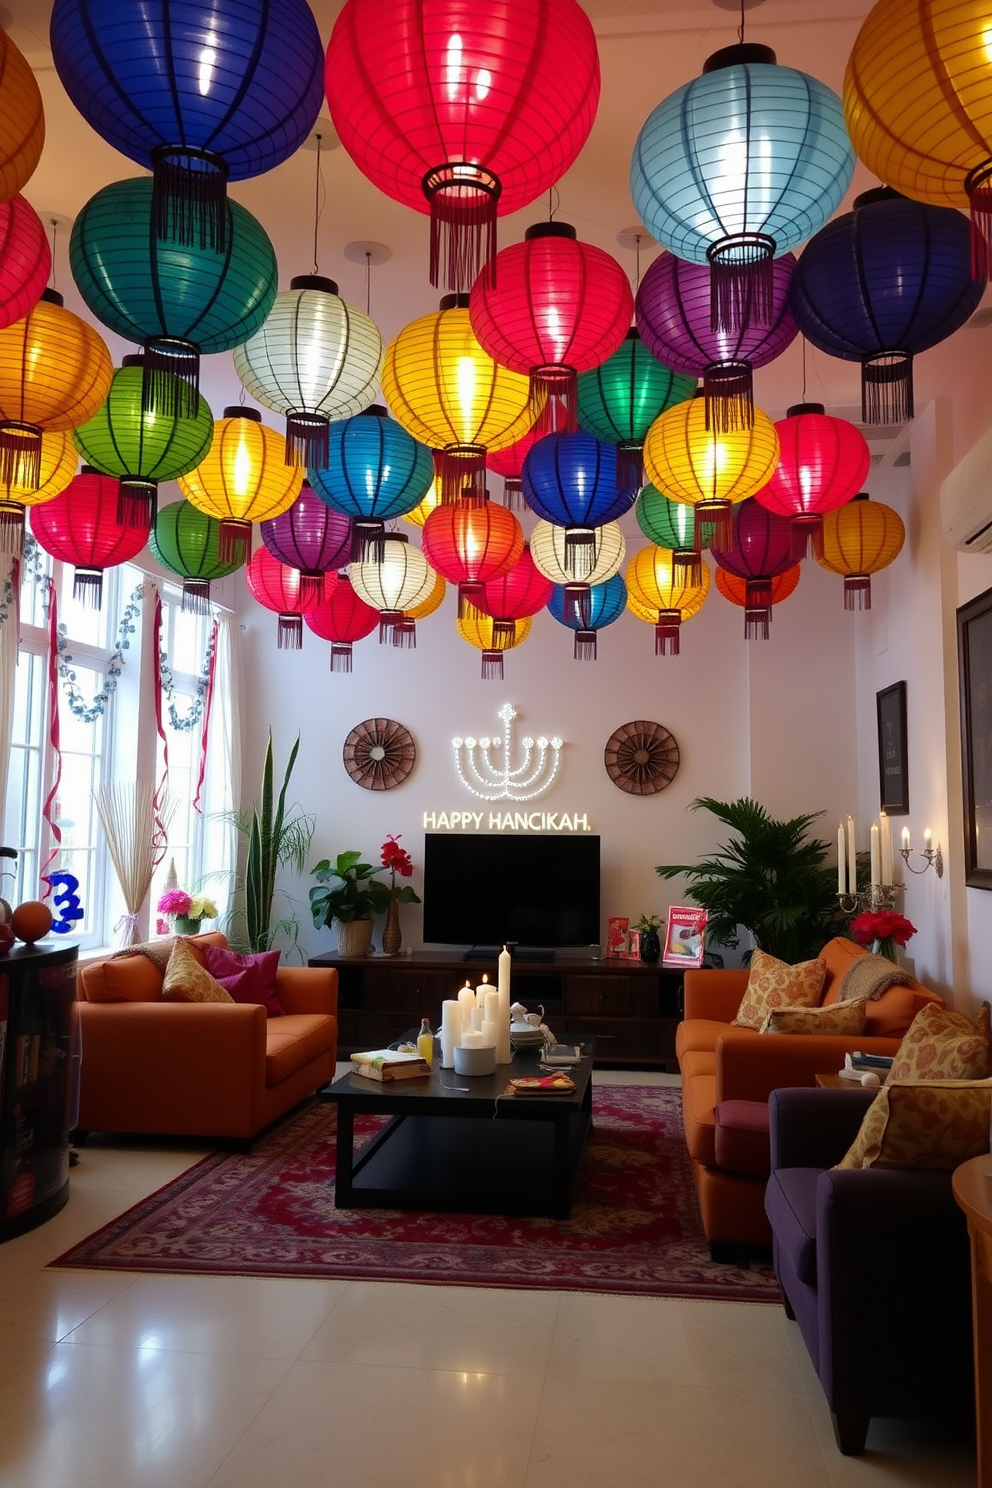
[[398, 860], [882, 924]]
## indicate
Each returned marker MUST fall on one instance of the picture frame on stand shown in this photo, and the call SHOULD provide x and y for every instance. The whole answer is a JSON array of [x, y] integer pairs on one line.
[[893, 769], [974, 624]]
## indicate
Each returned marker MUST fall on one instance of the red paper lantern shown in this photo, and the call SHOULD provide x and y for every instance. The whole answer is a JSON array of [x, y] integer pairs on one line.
[[509, 463], [467, 112], [822, 464], [470, 545], [284, 591], [80, 526], [342, 619], [25, 259], [558, 307], [779, 587], [516, 594]]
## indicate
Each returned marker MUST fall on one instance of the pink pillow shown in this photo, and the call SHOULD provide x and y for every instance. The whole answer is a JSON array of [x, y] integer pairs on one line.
[[248, 977]]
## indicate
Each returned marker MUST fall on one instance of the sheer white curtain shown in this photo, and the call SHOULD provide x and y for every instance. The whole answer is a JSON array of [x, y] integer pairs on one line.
[[222, 783], [9, 628]]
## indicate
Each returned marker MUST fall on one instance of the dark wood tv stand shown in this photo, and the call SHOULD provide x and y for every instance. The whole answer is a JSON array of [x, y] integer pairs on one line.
[[631, 1009]]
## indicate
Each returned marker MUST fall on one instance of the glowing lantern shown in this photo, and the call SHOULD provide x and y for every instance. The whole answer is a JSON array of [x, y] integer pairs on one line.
[[663, 595], [80, 526], [598, 607], [470, 545], [56, 469], [571, 480], [22, 120], [55, 371], [480, 631], [672, 525], [555, 307], [280, 589], [823, 462], [463, 112], [620, 400], [709, 468], [418, 516], [199, 93], [243, 479], [738, 166], [342, 620], [734, 588], [399, 581], [141, 447], [762, 548], [187, 542], [25, 257], [516, 594], [446, 392], [509, 463], [858, 540], [374, 471], [547, 548], [310, 538], [404, 631], [314, 359]]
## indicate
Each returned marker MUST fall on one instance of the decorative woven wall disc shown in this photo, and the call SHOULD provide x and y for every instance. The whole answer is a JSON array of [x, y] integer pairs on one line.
[[379, 754], [641, 758]]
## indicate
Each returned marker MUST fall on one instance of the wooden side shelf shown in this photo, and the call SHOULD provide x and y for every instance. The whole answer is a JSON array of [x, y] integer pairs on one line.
[[631, 1009]]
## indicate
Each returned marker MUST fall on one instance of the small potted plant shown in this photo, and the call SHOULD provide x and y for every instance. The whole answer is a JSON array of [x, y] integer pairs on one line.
[[186, 910], [649, 944], [348, 891]]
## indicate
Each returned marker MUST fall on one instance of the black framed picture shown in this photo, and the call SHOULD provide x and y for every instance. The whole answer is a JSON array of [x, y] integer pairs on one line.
[[893, 773], [975, 677]]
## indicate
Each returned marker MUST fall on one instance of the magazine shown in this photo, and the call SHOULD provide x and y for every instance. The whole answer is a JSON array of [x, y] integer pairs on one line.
[[685, 939]]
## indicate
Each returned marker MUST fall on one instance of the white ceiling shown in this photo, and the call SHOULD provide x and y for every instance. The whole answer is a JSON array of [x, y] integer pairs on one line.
[[647, 49]]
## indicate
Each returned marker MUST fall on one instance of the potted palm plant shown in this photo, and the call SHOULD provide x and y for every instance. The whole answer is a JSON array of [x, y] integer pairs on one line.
[[348, 891]]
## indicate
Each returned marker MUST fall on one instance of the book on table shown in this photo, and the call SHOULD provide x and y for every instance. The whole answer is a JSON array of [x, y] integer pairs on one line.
[[562, 1055], [389, 1064]]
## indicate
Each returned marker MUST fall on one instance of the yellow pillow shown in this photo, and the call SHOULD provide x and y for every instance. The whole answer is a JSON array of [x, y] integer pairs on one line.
[[941, 1044], [186, 980], [839, 1017], [923, 1124], [775, 984]]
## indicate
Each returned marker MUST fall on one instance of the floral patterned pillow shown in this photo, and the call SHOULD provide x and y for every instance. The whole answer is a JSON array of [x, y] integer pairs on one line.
[[941, 1044], [933, 1124], [186, 980], [775, 984], [840, 1017]]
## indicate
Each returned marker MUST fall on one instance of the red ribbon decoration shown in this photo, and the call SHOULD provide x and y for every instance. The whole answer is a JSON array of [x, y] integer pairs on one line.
[[160, 837], [207, 701], [54, 733]]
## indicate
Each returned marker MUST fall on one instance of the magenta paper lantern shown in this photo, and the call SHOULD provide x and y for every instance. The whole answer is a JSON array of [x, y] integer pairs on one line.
[[761, 550]]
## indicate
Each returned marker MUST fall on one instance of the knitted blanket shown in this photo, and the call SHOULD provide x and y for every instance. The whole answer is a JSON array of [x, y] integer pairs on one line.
[[869, 976], [157, 951]]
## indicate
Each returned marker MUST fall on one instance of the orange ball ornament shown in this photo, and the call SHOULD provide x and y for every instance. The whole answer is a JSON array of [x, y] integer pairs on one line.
[[31, 921]]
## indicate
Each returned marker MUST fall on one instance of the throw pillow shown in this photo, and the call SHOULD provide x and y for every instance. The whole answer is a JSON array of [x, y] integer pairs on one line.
[[260, 983], [133, 979], [943, 1045], [186, 980], [923, 1124], [840, 1017], [775, 984]]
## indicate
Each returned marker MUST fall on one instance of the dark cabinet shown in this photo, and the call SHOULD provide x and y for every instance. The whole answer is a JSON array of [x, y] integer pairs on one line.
[[37, 1053]]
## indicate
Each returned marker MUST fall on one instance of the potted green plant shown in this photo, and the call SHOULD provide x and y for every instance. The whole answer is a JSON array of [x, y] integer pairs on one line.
[[649, 945], [276, 836], [769, 878], [348, 891]]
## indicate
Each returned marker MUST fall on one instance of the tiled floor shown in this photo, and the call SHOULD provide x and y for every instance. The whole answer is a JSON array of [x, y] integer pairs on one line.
[[125, 1381]]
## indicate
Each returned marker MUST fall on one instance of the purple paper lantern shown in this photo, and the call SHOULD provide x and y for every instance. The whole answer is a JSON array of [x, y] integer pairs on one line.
[[310, 537], [673, 317], [761, 549]]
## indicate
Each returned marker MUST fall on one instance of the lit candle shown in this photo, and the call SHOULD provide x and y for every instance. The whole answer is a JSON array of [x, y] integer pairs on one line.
[[885, 844], [874, 854], [926, 839], [905, 839], [472, 1038], [841, 864], [852, 861], [451, 1031], [482, 988]]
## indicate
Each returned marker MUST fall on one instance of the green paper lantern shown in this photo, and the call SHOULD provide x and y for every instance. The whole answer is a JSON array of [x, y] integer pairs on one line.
[[186, 541], [672, 525], [620, 400], [141, 447]]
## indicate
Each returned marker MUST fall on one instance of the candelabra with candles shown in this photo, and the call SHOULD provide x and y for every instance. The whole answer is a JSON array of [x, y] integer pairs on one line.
[[876, 895], [871, 899], [933, 855]]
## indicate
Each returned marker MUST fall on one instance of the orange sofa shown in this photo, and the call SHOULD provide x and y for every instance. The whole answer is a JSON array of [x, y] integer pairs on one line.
[[728, 1074], [198, 1069]]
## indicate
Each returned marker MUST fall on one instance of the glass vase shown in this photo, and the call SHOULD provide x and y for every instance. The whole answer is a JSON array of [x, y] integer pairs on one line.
[[886, 948], [392, 937], [187, 926]]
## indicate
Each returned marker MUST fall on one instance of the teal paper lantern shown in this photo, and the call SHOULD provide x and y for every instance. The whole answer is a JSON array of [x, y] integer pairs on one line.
[[588, 611], [620, 400], [738, 166], [186, 541], [375, 471], [141, 448], [177, 301]]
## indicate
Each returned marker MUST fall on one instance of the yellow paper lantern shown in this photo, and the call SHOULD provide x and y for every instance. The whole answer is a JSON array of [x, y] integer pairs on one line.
[[57, 466], [422, 511], [664, 595], [918, 104], [444, 390], [492, 638], [55, 371], [22, 120], [405, 629], [243, 479], [709, 469], [858, 540]]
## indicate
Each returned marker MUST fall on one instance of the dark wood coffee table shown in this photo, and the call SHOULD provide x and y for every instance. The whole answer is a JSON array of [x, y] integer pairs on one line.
[[461, 1144]]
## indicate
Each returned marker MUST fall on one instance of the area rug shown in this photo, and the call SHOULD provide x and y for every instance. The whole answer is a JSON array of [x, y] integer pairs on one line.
[[634, 1227]]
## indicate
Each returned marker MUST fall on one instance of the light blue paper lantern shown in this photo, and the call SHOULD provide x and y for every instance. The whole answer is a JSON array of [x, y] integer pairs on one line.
[[588, 609], [375, 471]]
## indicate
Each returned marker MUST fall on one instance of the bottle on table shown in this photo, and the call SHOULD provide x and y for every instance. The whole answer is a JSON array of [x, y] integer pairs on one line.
[[425, 1041]]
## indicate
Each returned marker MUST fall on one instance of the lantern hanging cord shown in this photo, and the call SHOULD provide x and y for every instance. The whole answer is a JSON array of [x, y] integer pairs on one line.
[[318, 203], [554, 202], [637, 263], [804, 368], [740, 28], [54, 268], [368, 281]]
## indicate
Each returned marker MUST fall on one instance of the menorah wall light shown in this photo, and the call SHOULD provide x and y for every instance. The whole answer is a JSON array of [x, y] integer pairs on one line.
[[933, 855]]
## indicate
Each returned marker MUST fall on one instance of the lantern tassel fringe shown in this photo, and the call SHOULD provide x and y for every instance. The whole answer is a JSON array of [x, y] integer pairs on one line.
[[463, 239], [308, 440], [887, 389], [857, 592], [11, 529], [743, 291], [87, 587], [136, 503], [196, 597], [20, 456], [170, 385], [340, 656], [729, 397], [492, 666], [585, 645], [189, 198], [290, 632]]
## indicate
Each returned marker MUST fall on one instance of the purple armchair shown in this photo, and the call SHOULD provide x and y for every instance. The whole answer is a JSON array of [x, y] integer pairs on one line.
[[874, 1265]]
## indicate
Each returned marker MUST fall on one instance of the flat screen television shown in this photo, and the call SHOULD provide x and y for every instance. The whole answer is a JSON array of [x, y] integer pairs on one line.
[[534, 890]]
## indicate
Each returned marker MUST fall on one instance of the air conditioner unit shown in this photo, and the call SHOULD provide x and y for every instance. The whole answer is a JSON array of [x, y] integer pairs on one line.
[[966, 500]]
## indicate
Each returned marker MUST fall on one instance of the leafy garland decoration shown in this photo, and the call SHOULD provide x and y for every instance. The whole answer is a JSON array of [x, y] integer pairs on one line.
[[191, 720], [89, 713], [6, 598]]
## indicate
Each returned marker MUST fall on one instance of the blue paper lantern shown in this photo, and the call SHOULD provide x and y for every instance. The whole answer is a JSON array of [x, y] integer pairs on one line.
[[198, 91], [571, 481], [738, 166], [590, 610], [880, 283], [375, 470], [177, 301], [620, 400]]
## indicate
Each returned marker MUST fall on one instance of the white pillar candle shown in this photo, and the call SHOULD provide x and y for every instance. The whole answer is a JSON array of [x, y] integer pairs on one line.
[[841, 860], [874, 854], [852, 861], [504, 1049], [488, 1034], [490, 1006], [476, 1018], [503, 967], [466, 1001], [472, 1038], [451, 1032], [885, 845], [483, 987]]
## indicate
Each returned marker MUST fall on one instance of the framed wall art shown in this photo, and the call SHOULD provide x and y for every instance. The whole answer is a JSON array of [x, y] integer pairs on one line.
[[893, 772], [975, 679]]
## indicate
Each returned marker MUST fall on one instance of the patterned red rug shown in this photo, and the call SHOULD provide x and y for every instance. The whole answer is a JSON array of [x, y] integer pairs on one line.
[[270, 1212]]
